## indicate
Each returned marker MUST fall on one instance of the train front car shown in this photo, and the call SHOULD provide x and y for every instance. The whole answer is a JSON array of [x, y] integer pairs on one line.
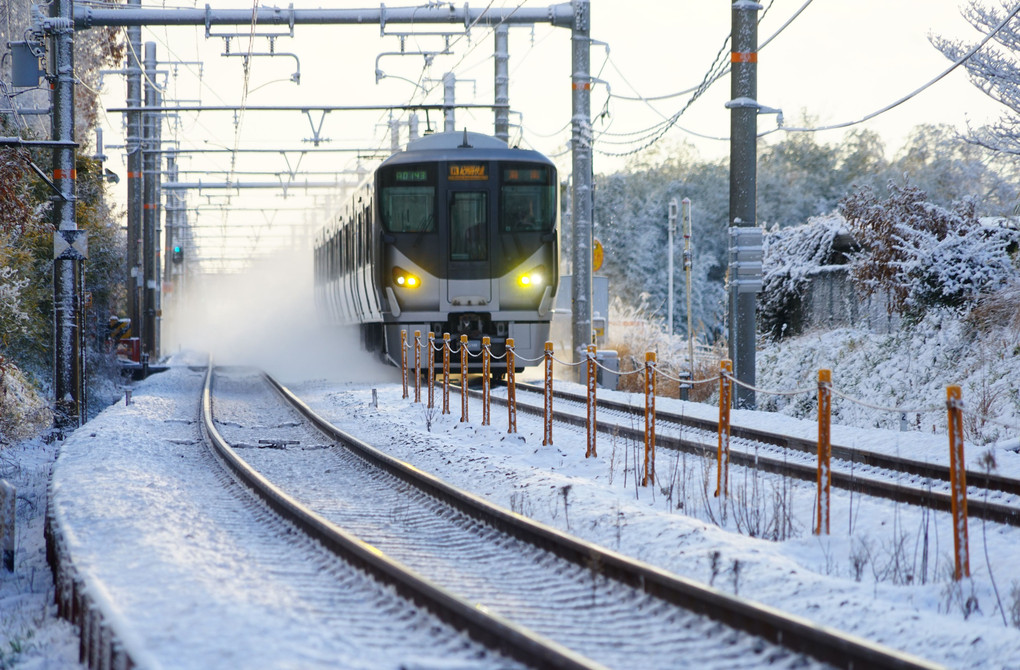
[[469, 244]]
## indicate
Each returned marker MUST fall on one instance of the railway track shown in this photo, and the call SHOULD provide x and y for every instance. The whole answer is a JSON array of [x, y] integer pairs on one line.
[[991, 497], [598, 606]]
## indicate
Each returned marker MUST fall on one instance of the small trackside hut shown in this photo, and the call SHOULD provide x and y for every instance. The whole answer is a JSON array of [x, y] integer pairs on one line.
[[457, 234]]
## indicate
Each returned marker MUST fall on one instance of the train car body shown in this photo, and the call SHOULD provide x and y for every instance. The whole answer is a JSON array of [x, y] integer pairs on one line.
[[457, 234]]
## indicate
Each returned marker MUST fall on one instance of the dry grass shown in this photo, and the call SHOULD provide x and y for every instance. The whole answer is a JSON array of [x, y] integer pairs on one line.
[[633, 334], [998, 310]]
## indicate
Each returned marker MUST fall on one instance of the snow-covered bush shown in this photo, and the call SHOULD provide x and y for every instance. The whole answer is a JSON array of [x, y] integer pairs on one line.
[[925, 255], [791, 257]]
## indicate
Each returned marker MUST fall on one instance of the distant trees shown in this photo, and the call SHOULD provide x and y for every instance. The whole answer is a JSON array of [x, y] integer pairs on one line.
[[798, 178]]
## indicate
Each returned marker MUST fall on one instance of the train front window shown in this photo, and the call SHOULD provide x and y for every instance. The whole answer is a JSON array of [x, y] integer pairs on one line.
[[527, 199], [408, 199], [469, 237]]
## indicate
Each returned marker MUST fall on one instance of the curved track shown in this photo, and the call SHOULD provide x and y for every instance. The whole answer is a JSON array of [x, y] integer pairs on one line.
[[595, 601]]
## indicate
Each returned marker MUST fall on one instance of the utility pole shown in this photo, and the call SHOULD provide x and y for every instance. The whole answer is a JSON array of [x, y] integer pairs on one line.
[[70, 246], [743, 214], [134, 181], [449, 99], [152, 123], [501, 58], [581, 205]]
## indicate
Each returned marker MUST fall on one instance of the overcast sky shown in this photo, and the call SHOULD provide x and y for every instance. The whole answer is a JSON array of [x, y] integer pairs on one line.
[[836, 62]]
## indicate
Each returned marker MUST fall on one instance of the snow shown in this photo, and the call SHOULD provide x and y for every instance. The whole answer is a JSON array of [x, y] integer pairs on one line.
[[883, 574]]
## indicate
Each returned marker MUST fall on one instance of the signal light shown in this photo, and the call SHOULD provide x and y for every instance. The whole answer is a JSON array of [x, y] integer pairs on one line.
[[178, 255], [404, 279]]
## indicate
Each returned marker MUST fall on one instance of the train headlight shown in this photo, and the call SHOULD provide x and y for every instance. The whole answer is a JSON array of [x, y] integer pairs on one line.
[[404, 279], [533, 277]]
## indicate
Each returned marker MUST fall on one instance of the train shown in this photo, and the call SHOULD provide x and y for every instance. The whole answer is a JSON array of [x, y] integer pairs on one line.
[[458, 233]]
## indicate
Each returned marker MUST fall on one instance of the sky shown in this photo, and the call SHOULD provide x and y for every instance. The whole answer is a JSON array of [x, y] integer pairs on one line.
[[834, 63]]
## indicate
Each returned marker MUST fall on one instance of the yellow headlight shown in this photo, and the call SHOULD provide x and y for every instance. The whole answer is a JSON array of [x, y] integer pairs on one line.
[[531, 278], [405, 279]]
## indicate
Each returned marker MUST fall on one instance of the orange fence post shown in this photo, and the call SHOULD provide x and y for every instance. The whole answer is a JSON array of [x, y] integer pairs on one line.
[[446, 373], [591, 403], [511, 388], [403, 361], [431, 362], [547, 395], [723, 455], [649, 419], [824, 449], [417, 366], [463, 379], [486, 380], [958, 482]]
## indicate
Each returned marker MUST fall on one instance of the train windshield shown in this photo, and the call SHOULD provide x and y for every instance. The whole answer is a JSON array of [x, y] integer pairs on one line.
[[407, 197], [528, 199], [469, 230]]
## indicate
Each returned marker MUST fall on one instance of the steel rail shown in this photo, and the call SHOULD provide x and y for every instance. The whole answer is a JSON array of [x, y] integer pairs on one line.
[[892, 491], [788, 631], [488, 629]]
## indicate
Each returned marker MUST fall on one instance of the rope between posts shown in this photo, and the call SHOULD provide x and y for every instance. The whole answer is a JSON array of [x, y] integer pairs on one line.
[[899, 410], [494, 356], [572, 365], [617, 372], [989, 419], [526, 359], [806, 389]]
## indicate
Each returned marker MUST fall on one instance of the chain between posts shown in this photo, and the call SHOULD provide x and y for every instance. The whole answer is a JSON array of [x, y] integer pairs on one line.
[[650, 365], [723, 453], [486, 381], [511, 388], [824, 450], [958, 483]]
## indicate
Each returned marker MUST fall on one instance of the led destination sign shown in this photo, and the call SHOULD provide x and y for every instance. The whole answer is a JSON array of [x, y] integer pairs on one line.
[[467, 172]]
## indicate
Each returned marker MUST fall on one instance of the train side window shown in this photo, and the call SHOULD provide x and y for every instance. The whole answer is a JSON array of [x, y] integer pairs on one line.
[[469, 230]]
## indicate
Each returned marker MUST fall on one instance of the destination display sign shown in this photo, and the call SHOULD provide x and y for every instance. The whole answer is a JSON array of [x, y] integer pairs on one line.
[[468, 172]]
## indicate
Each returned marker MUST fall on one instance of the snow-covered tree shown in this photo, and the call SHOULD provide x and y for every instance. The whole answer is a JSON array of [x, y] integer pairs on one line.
[[995, 68], [925, 255]]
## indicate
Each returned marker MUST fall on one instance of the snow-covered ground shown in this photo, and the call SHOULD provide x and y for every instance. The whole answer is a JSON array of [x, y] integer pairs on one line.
[[887, 580]]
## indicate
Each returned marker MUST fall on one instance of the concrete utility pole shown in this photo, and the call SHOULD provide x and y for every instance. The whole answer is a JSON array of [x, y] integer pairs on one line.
[[743, 214], [70, 246], [152, 124], [581, 205], [134, 181], [449, 100], [501, 99]]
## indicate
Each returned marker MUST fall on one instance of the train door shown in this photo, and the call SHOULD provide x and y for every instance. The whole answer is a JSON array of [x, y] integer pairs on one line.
[[470, 236]]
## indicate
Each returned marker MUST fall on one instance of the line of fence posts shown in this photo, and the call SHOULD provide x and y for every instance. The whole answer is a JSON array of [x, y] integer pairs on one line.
[[824, 450], [958, 483], [954, 407], [723, 452], [446, 373], [431, 362], [592, 428], [486, 381], [463, 379], [511, 388], [649, 419], [417, 366]]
